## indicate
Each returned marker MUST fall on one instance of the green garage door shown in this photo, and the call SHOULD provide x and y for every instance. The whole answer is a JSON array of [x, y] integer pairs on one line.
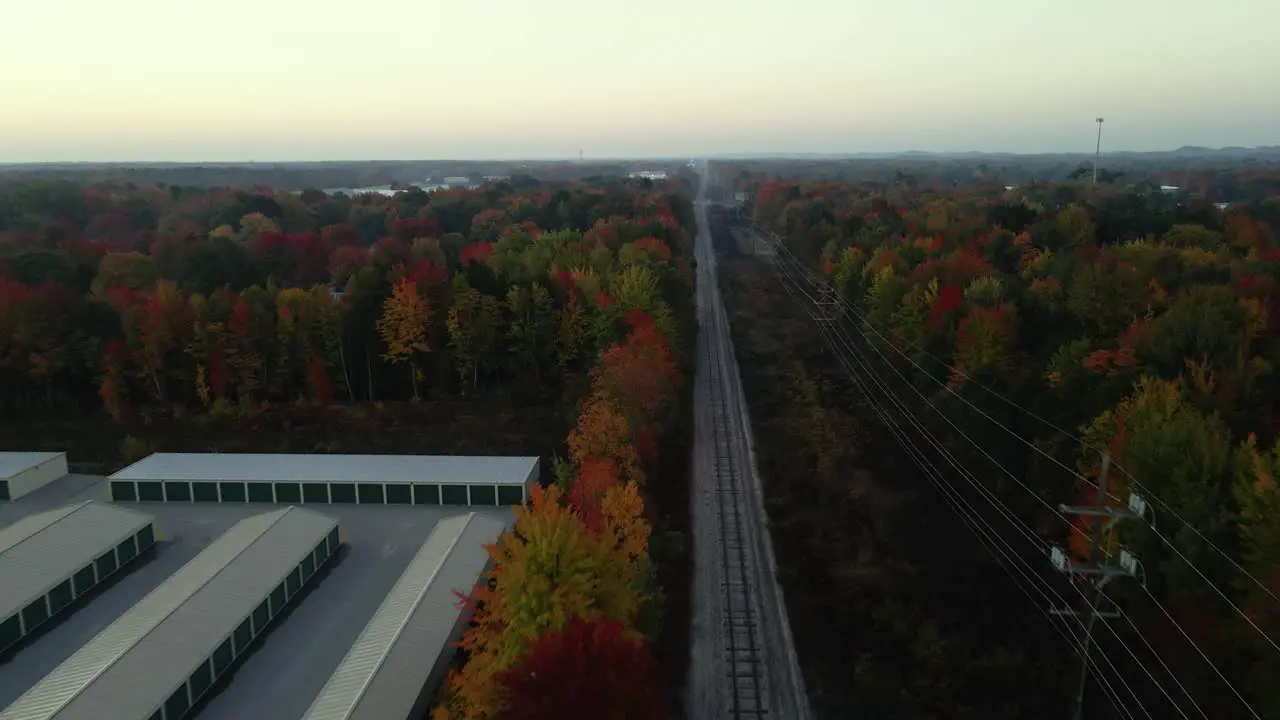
[[453, 494], [10, 631], [484, 495], [123, 491], [510, 494]]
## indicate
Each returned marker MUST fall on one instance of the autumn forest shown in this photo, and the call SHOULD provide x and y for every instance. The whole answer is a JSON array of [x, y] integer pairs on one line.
[[996, 347], [550, 319], [1027, 341]]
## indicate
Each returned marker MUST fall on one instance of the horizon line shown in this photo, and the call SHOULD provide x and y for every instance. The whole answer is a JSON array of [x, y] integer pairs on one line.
[[738, 155]]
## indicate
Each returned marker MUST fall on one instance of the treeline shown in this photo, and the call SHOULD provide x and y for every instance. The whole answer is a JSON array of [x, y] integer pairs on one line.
[[1113, 320], [298, 175], [1198, 176], [560, 624], [149, 301]]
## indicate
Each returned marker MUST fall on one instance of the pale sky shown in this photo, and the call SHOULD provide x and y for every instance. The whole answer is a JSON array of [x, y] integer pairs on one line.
[[224, 80]]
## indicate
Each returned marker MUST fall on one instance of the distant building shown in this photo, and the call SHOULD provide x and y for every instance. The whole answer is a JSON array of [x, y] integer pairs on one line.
[[1169, 188], [458, 181], [649, 174]]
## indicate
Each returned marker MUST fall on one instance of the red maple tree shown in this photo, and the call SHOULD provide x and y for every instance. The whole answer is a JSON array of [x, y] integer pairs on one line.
[[595, 477], [318, 379], [948, 299], [476, 251], [589, 669]]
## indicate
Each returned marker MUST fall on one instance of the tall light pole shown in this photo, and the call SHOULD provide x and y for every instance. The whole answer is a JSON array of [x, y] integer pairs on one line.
[[1097, 153]]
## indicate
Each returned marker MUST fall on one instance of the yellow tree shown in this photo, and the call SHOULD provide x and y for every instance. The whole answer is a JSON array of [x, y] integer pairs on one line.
[[1075, 223], [128, 269], [296, 321], [198, 348], [164, 327], [626, 531], [603, 433], [1182, 455], [253, 224], [403, 326], [549, 570]]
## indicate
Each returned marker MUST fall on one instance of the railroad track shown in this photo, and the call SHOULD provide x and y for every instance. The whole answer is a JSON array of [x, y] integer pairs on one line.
[[743, 663], [747, 685]]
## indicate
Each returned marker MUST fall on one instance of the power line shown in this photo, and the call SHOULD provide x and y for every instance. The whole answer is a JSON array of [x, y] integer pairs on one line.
[[980, 449], [986, 535], [1098, 567], [1203, 656], [825, 318], [871, 326], [940, 484], [1146, 492], [1150, 525]]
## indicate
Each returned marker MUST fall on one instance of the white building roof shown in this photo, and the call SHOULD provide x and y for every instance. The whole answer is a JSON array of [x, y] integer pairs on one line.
[[42, 550], [129, 668], [391, 662], [14, 463], [253, 467]]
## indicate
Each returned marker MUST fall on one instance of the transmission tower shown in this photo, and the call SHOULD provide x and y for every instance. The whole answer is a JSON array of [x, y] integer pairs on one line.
[[826, 303], [1100, 568], [1097, 153]]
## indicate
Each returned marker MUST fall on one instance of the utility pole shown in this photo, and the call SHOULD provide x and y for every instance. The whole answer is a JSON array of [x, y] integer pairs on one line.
[[1099, 568], [1097, 152], [826, 302]]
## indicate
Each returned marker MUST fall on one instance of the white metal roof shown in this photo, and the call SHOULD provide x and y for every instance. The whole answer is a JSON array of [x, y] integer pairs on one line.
[[253, 467], [385, 671], [13, 463], [132, 666], [40, 551]]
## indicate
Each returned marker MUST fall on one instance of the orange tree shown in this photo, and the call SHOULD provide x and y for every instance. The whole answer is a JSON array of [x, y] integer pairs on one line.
[[581, 558], [549, 569]]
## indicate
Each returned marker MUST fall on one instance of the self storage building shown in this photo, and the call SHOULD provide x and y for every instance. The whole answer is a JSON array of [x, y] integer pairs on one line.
[[395, 665], [162, 656], [51, 559], [24, 472], [323, 479]]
